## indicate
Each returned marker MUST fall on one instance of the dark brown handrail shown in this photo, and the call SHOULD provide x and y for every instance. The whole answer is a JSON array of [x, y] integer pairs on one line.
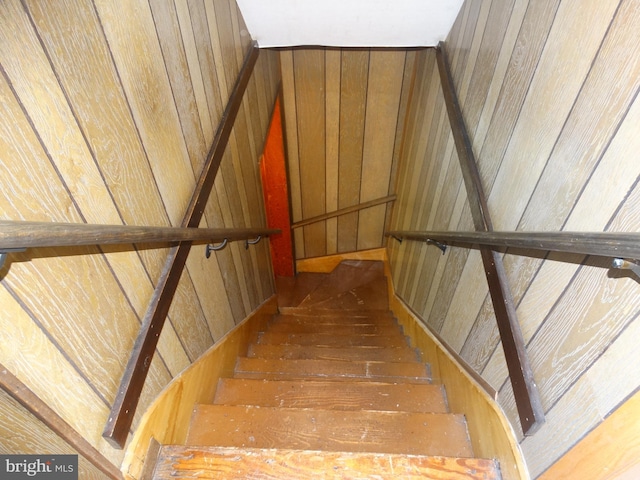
[[603, 244], [126, 401], [525, 390], [344, 211], [18, 235]]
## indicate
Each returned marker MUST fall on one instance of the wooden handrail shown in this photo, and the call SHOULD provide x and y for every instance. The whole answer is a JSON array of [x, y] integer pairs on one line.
[[603, 244], [14, 235], [524, 386], [344, 211]]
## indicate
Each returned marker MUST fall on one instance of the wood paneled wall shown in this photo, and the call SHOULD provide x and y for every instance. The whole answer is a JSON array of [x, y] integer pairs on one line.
[[108, 110], [549, 95], [344, 115]]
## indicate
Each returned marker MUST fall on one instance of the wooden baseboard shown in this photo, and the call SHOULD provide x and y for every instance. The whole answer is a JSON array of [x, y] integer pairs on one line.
[[167, 419]]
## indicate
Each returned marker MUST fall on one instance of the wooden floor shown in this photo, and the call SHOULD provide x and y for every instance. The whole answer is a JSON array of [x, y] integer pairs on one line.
[[331, 389]]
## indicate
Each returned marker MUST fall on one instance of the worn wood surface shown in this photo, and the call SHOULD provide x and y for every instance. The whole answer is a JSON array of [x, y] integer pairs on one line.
[[249, 463], [332, 395], [331, 340], [316, 429], [300, 352], [332, 369]]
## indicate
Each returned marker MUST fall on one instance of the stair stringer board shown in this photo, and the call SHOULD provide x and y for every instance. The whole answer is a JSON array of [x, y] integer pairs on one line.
[[491, 434], [167, 419]]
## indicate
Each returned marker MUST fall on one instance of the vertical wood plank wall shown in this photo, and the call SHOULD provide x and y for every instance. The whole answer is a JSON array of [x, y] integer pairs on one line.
[[344, 115], [107, 112], [549, 95]]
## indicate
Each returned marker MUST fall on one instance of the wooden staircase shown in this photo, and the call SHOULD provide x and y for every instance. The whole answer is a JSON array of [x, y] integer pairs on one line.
[[331, 389]]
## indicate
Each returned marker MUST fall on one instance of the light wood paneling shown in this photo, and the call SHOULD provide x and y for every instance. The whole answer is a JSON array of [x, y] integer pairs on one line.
[[35, 438], [107, 114], [549, 93], [344, 111]]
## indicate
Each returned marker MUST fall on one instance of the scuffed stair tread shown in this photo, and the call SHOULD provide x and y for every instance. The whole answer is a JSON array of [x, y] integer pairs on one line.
[[371, 295], [320, 318], [397, 340], [178, 461], [293, 290], [274, 369], [403, 397], [300, 352], [334, 329], [313, 429], [332, 312], [343, 278]]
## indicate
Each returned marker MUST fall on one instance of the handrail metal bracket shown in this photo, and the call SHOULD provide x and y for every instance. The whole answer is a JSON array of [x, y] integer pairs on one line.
[[252, 242], [441, 246], [626, 264], [399, 239], [215, 248], [5, 251]]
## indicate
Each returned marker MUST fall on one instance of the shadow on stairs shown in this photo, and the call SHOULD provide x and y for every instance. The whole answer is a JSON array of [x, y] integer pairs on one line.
[[331, 389]]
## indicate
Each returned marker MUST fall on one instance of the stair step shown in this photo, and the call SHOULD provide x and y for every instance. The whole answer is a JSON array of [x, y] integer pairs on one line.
[[178, 461], [293, 290], [334, 329], [396, 340], [276, 369], [299, 352], [345, 277], [403, 397], [371, 295], [332, 312], [330, 430], [333, 318]]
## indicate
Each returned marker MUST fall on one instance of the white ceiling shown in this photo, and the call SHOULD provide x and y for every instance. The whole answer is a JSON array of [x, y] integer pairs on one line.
[[349, 23]]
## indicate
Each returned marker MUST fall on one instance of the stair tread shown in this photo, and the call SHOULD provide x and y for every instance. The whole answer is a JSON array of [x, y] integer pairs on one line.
[[300, 352], [405, 397], [178, 461], [334, 328], [370, 295], [346, 276], [293, 290], [330, 430], [334, 318], [270, 368], [324, 312], [330, 340]]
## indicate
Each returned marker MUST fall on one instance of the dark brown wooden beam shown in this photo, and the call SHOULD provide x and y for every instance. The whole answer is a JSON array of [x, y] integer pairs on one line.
[[602, 244], [344, 211], [520, 373], [45, 234], [39, 409], [121, 416]]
